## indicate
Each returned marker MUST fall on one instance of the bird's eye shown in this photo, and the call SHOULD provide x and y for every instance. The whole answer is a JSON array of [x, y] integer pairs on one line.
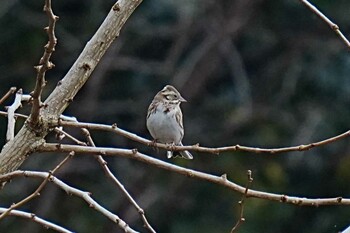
[[175, 96]]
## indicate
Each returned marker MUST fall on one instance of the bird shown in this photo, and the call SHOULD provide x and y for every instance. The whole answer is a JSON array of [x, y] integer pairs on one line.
[[164, 120]]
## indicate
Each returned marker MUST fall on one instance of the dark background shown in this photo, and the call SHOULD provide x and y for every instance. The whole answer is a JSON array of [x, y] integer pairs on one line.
[[255, 72]]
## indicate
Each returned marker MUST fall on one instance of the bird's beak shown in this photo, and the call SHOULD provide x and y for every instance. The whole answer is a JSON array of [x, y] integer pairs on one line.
[[182, 99]]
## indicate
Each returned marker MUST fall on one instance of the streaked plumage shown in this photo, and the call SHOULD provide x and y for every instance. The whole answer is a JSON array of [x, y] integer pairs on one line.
[[164, 119]]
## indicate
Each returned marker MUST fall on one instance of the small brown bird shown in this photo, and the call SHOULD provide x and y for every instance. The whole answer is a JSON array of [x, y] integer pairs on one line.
[[164, 119]]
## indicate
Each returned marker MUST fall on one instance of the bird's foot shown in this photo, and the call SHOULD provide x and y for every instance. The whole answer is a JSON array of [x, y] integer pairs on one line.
[[153, 144]]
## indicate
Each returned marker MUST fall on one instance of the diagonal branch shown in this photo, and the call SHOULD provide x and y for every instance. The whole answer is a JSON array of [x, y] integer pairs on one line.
[[10, 92], [242, 202], [332, 25], [36, 193], [34, 218], [220, 180], [81, 70], [109, 174], [62, 133], [86, 196], [12, 116], [113, 128], [44, 64]]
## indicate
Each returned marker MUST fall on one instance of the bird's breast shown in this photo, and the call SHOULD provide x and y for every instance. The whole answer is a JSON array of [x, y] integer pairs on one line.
[[163, 126]]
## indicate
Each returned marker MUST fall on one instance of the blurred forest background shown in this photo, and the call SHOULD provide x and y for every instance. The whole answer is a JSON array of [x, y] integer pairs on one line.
[[255, 72]]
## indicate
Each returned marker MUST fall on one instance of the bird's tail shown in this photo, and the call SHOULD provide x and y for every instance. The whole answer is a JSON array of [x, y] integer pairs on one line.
[[186, 154]]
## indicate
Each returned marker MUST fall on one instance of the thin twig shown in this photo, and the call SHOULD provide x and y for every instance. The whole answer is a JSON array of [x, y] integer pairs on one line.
[[16, 115], [46, 224], [109, 174], [218, 150], [332, 25], [220, 180], [241, 202], [10, 92], [36, 193], [86, 196], [77, 141], [44, 64]]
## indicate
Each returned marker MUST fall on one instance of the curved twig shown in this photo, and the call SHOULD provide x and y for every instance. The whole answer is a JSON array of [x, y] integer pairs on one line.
[[332, 25]]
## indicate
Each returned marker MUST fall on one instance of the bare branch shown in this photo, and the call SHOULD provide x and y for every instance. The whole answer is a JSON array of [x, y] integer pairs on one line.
[[11, 115], [38, 190], [332, 25], [60, 131], [86, 196], [46, 224], [10, 92], [110, 175], [220, 180], [198, 148], [16, 115], [241, 202], [44, 64], [81, 70]]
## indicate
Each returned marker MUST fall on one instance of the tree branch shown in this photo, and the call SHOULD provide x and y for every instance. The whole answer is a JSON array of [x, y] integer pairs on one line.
[[10, 92], [2, 113], [110, 175], [86, 196], [11, 115], [241, 202], [38, 190], [113, 128], [220, 180], [61, 134], [34, 218], [44, 64], [11, 119], [332, 25]]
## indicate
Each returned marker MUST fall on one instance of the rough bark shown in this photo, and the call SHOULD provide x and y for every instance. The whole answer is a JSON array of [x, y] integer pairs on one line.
[[30, 137]]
